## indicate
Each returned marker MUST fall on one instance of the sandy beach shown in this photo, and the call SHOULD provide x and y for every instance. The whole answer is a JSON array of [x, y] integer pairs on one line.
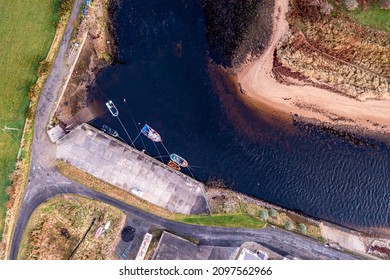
[[259, 85]]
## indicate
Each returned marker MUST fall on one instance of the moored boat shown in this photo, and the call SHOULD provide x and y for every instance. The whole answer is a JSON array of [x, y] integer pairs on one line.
[[179, 160], [113, 110], [151, 133], [109, 130], [99, 232], [173, 165]]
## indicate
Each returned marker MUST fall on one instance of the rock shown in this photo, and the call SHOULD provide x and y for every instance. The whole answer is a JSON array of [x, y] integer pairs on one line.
[[351, 4], [326, 8]]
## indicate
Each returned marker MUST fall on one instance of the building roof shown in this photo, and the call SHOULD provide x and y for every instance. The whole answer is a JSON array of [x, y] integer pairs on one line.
[[245, 254], [172, 247]]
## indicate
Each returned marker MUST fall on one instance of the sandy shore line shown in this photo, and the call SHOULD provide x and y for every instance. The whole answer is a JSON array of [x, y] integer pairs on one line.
[[259, 85]]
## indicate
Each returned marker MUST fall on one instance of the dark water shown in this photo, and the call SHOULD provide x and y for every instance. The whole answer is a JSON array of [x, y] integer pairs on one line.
[[163, 77]]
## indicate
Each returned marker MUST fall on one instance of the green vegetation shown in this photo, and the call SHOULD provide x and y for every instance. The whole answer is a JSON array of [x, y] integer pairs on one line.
[[302, 228], [223, 201], [264, 215], [225, 220], [272, 212], [288, 225], [27, 28], [64, 6], [374, 16]]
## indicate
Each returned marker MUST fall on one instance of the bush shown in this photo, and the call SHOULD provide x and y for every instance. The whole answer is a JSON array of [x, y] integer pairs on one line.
[[272, 212], [33, 92], [264, 215], [65, 7], [44, 67], [30, 113], [288, 225], [302, 228]]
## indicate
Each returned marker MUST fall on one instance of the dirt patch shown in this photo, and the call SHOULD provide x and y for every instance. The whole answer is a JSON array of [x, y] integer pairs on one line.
[[348, 239], [64, 227], [380, 248]]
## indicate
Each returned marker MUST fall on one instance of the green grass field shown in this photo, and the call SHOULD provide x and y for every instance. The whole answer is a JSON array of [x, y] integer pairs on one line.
[[226, 220], [27, 28], [373, 17]]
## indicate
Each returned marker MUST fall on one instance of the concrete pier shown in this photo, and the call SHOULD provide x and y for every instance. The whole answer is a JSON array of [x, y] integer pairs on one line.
[[111, 160]]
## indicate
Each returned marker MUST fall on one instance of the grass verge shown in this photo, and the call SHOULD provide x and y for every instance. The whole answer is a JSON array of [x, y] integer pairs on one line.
[[224, 201], [27, 29], [374, 16], [225, 220], [64, 227], [26, 70]]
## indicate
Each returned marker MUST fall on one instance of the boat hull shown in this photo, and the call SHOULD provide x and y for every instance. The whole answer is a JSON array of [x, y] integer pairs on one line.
[[179, 160], [112, 108], [151, 133], [109, 130]]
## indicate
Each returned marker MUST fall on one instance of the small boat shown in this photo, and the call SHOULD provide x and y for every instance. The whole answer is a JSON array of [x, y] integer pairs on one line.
[[173, 165], [107, 225], [179, 160], [109, 130], [99, 232], [113, 110], [151, 133]]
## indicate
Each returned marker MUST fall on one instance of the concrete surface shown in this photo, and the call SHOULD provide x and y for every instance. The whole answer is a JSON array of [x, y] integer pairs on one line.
[[56, 133], [254, 247], [110, 160]]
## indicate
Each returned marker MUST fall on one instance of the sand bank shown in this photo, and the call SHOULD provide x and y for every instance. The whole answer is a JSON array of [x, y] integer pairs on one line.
[[259, 85]]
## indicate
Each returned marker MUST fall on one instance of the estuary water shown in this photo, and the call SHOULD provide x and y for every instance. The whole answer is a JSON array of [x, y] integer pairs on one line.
[[162, 79]]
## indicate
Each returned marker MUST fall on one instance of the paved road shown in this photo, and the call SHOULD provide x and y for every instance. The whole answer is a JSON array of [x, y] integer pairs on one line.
[[45, 182]]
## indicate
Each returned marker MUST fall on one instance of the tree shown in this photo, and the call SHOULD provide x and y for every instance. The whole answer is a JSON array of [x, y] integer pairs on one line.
[[302, 228], [272, 212], [264, 215], [288, 225]]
